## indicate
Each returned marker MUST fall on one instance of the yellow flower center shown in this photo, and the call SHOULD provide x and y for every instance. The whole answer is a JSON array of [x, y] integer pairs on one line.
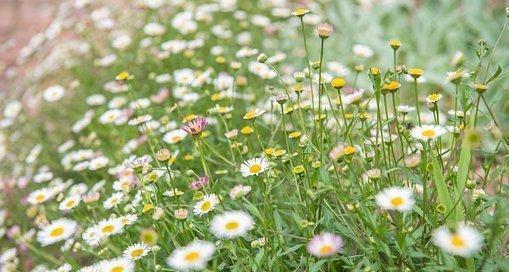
[[397, 201], [176, 138], [206, 206], [39, 198], [428, 133], [192, 256], [457, 241], [349, 150], [249, 115], [254, 169], [56, 232], [108, 229], [70, 203], [325, 250], [117, 269], [137, 252], [233, 225]]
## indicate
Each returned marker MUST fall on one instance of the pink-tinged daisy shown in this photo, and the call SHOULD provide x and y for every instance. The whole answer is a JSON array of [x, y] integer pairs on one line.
[[195, 126], [325, 245]]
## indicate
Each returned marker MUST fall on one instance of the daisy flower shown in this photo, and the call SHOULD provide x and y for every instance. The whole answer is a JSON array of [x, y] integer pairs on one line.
[[117, 265], [40, 196], [463, 241], [113, 200], [53, 93], [231, 224], [195, 126], [251, 115], [239, 191], [110, 227], [137, 251], [56, 231], [174, 136], [69, 203], [194, 256], [395, 198], [433, 98], [324, 245], [207, 204], [427, 132], [254, 166]]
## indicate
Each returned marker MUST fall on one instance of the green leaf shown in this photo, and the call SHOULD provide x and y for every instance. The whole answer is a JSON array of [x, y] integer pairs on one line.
[[443, 193], [495, 75]]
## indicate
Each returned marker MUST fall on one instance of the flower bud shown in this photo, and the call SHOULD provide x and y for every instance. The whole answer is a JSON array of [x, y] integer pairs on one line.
[[262, 58]]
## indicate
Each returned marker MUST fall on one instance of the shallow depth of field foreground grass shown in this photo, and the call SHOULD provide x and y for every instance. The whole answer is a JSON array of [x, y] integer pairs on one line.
[[155, 135]]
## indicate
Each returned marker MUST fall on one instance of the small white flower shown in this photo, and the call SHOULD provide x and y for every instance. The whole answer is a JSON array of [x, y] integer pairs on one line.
[[194, 256], [362, 51], [56, 231], [254, 167], [464, 241], [117, 265], [207, 204], [53, 93], [69, 203], [137, 251], [427, 132], [231, 224], [396, 198]]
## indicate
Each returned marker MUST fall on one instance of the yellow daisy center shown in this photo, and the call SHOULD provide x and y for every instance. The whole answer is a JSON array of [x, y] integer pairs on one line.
[[137, 252], [56, 232], [176, 138], [39, 198], [117, 269], [249, 115], [70, 203], [428, 133], [206, 206], [233, 225], [397, 201], [255, 169], [326, 249], [457, 241], [192, 256], [108, 229]]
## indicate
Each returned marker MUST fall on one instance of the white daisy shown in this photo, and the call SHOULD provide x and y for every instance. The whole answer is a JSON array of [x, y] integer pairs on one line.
[[174, 136], [117, 265], [194, 256], [463, 241], [56, 231], [113, 200], [254, 166], [110, 227], [69, 203], [231, 224], [53, 93], [427, 132], [207, 204], [396, 198], [137, 251]]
